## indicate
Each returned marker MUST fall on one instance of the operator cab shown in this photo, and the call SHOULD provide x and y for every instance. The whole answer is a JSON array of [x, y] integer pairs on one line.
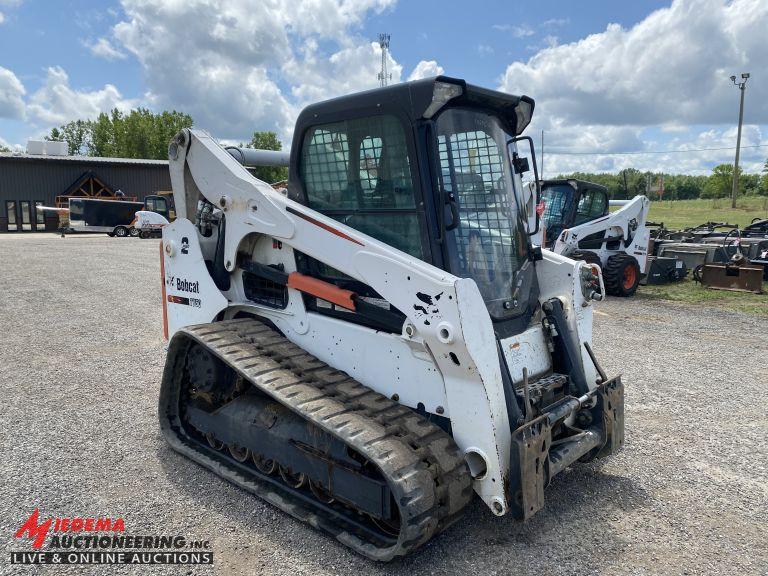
[[430, 167], [161, 203], [570, 203]]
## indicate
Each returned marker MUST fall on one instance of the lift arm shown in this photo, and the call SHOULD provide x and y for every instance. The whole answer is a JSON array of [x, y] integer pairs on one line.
[[626, 224]]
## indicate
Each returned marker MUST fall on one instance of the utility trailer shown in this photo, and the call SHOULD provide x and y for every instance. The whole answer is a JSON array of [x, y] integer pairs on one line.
[[114, 217]]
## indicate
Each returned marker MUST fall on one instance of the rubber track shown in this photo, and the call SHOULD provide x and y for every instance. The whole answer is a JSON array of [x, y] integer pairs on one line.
[[421, 463]]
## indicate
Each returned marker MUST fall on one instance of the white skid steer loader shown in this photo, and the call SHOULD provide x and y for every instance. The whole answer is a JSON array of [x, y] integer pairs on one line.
[[576, 222], [370, 349]]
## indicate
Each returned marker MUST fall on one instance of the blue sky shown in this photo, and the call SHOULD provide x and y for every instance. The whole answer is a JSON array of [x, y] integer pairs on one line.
[[608, 77]]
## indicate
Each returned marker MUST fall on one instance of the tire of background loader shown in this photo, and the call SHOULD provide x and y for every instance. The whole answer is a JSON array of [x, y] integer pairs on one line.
[[587, 256], [621, 275]]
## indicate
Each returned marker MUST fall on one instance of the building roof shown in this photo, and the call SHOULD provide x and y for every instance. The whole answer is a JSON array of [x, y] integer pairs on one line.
[[82, 159]]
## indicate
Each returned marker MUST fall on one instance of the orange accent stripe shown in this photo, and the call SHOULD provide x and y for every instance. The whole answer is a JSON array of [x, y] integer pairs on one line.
[[162, 284], [325, 290], [330, 229]]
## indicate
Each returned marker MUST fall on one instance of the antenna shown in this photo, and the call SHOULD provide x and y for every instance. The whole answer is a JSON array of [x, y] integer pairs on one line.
[[384, 77]]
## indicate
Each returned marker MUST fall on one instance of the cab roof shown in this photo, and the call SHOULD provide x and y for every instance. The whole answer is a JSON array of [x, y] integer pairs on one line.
[[413, 98]]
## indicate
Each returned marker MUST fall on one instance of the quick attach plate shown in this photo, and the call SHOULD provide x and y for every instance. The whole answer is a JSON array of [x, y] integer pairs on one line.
[[530, 463]]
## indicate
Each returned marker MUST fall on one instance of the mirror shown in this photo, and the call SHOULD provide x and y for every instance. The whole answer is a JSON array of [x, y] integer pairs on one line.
[[531, 200]]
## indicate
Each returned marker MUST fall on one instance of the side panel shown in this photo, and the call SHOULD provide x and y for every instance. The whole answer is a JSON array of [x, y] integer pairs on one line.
[[191, 296], [387, 363], [527, 350]]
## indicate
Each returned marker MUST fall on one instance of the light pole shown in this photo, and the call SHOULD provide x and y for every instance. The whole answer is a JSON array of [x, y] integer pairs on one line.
[[742, 87]]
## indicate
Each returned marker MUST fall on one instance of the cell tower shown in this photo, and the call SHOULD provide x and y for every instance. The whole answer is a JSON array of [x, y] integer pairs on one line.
[[384, 77]]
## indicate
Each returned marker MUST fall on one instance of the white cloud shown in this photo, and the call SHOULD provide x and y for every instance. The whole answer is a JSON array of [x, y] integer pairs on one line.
[[672, 66], [9, 4], [484, 49], [555, 22], [11, 95], [10, 146], [104, 49], [590, 148], [518, 31], [426, 69], [314, 76], [669, 71], [243, 66], [56, 102]]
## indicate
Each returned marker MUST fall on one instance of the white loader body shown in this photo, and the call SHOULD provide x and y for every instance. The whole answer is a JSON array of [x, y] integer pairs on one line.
[[445, 360]]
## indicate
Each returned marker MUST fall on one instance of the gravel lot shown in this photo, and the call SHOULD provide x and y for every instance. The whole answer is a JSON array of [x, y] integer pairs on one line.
[[81, 356]]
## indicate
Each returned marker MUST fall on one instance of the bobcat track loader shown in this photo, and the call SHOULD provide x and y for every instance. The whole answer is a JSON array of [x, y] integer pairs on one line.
[[369, 350]]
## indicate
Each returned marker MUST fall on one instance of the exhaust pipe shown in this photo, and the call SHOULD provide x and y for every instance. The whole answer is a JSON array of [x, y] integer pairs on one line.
[[252, 157]]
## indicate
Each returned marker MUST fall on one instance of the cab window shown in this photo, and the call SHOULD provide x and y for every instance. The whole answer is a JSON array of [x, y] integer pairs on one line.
[[359, 172], [592, 204]]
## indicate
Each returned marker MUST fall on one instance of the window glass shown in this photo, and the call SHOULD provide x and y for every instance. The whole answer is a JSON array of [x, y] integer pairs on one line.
[[26, 215], [76, 211], [10, 210], [558, 204], [592, 204], [39, 215], [489, 244], [358, 164], [325, 169], [358, 172], [370, 157], [398, 230]]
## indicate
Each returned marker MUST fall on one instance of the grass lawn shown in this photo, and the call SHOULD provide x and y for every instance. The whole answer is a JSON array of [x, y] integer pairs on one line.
[[685, 213], [690, 292]]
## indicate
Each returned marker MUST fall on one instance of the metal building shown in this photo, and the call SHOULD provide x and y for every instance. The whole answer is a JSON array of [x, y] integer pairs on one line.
[[27, 180]]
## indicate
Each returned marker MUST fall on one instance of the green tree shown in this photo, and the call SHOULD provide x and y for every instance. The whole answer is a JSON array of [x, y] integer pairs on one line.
[[764, 180], [267, 141], [4, 149], [749, 184], [720, 182], [683, 186], [76, 134], [138, 134]]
